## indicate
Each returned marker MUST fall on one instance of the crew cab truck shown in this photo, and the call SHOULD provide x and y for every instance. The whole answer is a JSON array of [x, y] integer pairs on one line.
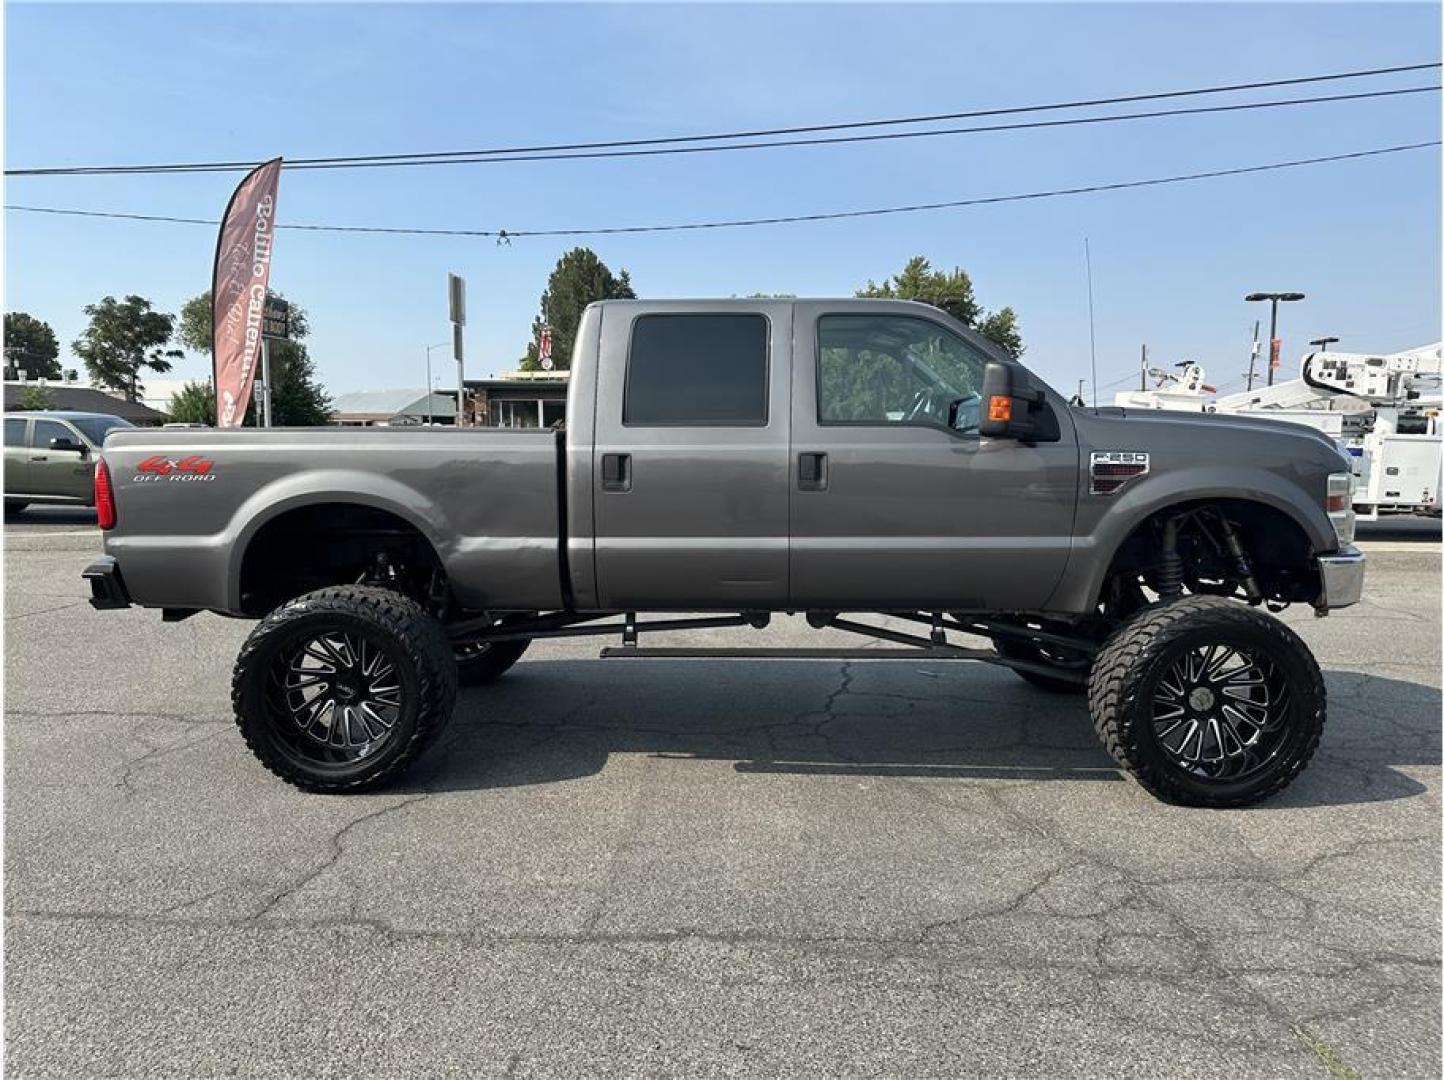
[[722, 461]]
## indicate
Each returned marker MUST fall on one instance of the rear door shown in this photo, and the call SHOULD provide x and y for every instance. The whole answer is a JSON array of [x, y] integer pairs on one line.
[[690, 461], [17, 456], [56, 472], [892, 505]]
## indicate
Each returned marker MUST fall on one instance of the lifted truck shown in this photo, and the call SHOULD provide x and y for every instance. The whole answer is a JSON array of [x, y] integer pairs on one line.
[[725, 460]]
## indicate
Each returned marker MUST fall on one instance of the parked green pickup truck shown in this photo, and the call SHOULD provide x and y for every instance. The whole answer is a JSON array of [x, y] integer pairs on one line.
[[50, 456]]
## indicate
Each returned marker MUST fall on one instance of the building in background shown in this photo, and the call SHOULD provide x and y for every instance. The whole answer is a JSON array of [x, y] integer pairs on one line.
[[157, 394], [518, 399], [394, 408], [68, 397]]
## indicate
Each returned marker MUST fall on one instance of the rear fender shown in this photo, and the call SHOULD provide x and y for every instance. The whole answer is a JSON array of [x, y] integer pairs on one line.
[[310, 488]]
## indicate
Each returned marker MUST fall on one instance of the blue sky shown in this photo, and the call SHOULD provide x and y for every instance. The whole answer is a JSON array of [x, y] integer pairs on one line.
[[114, 83]]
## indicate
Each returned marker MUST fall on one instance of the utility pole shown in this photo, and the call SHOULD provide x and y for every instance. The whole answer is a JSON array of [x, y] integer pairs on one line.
[[1253, 354], [265, 382], [1323, 343], [1143, 370], [429, 387]]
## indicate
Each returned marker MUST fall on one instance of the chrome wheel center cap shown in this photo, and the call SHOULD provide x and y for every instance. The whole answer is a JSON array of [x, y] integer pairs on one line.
[[1200, 699]]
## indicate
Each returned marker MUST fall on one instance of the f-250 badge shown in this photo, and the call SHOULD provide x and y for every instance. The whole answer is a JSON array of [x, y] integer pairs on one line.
[[190, 469]]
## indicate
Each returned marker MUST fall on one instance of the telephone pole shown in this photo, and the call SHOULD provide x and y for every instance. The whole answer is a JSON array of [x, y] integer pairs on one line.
[[1253, 354]]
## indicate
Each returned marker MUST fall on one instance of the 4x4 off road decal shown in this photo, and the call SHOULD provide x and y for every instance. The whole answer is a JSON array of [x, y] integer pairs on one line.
[[190, 469]]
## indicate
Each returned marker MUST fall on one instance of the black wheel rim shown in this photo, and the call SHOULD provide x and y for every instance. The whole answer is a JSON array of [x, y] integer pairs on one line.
[[1221, 712], [335, 697]]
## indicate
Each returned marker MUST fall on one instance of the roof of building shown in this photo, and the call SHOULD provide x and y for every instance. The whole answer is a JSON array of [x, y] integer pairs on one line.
[[404, 402], [82, 399]]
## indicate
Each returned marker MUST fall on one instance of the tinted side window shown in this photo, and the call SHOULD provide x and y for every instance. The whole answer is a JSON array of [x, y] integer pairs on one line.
[[14, 431], [892, 369], [96, 427], [697, 370], [45, 430]]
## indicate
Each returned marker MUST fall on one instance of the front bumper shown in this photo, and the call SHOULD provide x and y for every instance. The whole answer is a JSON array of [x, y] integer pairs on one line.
[[1341, 579], [107, 589]]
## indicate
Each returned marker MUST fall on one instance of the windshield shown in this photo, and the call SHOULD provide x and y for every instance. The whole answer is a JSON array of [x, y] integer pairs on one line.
[[95, 428]]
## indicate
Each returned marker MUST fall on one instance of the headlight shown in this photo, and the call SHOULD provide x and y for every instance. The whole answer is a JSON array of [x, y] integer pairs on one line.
[[1339, 504]]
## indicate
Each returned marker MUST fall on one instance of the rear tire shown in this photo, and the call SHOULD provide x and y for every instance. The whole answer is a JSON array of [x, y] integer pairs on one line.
[[481, 665], [341, 689], [1024, 650], [1207, 702]]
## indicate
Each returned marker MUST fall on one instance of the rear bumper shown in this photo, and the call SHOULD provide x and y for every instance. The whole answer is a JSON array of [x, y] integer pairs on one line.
[[107, 588], [1341, 577]]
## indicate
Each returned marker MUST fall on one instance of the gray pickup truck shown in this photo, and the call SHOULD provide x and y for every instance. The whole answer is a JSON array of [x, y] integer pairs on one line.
[[725, 460]]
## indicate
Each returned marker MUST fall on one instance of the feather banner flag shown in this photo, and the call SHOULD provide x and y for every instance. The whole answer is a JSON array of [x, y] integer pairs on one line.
[[238, 290]]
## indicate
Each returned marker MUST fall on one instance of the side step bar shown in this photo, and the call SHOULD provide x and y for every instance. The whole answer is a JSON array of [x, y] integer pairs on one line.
[[629, 652]]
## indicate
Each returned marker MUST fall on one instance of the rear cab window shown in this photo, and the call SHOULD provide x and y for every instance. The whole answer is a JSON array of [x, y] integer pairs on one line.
[[697, 370], [95, 428]]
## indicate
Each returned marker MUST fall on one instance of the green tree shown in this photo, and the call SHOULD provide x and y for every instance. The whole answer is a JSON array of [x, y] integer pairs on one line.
[[35, 398], [123, 337], [30, 344], [297, 397], [953, 293], [194, 403], [580, 278], [194, 330]]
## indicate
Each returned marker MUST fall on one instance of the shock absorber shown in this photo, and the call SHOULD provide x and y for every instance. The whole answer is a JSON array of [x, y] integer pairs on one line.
[[1168, 581], [1240, 560]]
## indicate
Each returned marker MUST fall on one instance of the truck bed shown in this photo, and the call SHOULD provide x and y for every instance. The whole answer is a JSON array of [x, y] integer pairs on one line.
[[188, 501]]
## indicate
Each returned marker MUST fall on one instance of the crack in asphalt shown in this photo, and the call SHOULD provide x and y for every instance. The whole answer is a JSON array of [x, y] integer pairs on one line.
[[337, 842]]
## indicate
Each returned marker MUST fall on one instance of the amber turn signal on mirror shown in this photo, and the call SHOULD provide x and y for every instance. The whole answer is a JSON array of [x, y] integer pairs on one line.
[[1000, 407]]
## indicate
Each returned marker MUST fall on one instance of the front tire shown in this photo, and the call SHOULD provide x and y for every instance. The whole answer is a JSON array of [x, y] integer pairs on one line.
[[1207, 702], [341, 689]]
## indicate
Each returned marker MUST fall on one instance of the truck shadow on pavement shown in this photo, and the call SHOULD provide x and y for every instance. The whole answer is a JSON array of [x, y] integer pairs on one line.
[[550, 721]]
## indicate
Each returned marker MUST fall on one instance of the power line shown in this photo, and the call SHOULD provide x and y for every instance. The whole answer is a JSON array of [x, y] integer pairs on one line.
[[508, 234], [662, 145]]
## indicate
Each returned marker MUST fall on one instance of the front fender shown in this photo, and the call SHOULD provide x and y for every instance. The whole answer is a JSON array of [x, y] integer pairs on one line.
[[1106, 521]]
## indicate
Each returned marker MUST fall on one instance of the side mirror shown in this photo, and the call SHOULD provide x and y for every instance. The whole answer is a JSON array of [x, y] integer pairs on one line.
[[1014, 407], [69, 444]]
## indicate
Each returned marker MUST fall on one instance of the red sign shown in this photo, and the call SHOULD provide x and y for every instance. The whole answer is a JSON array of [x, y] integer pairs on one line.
[[238, 290], [1276, 346]]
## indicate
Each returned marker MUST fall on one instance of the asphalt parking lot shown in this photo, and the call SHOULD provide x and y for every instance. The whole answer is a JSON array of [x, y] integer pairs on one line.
[[694, 866]]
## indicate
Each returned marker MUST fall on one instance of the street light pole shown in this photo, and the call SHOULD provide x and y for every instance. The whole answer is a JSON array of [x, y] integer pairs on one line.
[[428, 378], [1323, 343], [1275, 346]]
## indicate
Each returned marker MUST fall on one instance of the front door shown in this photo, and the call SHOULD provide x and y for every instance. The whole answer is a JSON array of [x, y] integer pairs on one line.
[[690, 467], [60, 473], [898, 502]]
